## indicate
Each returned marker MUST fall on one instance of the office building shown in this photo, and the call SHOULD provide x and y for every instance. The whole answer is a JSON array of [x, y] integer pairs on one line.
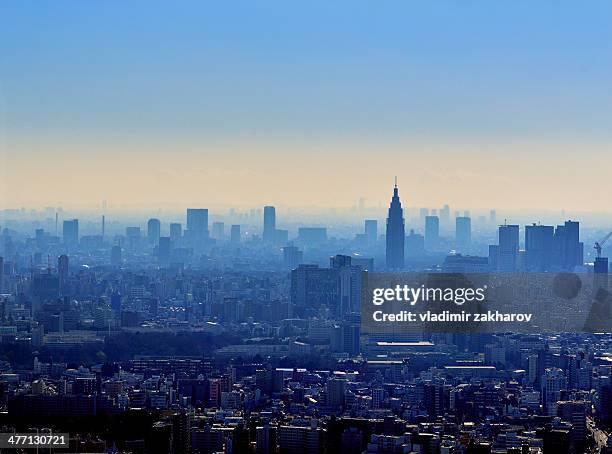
[[538, 247], [218, 230], [71, 232], [395, 233], [153, 231], [568, 251], [197, 223], [269, 225], [463, 233], [371, 230], [235, 234], [62, 272], [176, 231], [508, 249], [432, 233]]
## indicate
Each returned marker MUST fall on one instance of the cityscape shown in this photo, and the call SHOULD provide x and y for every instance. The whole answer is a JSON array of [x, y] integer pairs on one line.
[[272, 227], [239, 336]]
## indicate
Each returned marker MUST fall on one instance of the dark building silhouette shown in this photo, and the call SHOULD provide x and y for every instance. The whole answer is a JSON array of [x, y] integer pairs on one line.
[[395, 233], [568, 251], [269, 227], [197, 223], [176, 231], [62, 271], [508, 249], [235, 234], [432, 233], [463, 233], [71, 232], [371, 230], [153, 231], [538, 247]]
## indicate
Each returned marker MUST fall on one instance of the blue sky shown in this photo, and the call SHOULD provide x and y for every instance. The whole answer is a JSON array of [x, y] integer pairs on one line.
[[108, 77], [339, 68]]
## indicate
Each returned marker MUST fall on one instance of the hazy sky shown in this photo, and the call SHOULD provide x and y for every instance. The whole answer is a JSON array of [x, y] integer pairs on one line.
[[473, 103]]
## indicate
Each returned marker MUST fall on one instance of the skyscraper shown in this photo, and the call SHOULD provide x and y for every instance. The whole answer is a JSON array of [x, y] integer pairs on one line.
[[507, 251], [153, 231], [269, 227], [568, 250], [62, 271], [463, 233], [197, 223], [71, 232], [432, 233], [371, 230], [538, 247], [235, 234], [395, 232], [218, 230], [176, 231]]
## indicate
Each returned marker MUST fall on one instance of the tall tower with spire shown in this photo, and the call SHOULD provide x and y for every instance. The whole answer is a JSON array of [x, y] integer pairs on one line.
[[395, 233]]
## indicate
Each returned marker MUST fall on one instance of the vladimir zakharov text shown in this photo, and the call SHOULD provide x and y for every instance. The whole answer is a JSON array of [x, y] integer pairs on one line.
[[412, 295], [447, 316]]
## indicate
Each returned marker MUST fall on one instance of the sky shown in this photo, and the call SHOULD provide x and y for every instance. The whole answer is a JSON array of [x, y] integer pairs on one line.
[[503, 104]]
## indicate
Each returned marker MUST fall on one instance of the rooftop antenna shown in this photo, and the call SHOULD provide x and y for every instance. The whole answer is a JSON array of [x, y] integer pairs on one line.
[[396, 181]]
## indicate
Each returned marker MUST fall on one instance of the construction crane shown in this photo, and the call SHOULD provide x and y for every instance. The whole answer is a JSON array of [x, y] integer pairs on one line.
[[599, 244]]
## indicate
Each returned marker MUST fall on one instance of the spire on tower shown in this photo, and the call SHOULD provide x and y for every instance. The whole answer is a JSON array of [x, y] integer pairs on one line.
[[396, 181]]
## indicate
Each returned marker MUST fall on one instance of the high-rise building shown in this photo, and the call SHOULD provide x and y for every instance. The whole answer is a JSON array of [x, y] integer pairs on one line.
[[218, 230], [395, 233], [176, 231], [269, 226], [553, 382], [153, 231], [432, 233], [600, 273], [445, 215], [508, 249], [463, 233], [133, 237], [235, 234], [62, 271], [266, 437], [371, 230], [1, 274], [336, 390], [71, 232], [538, 247], [568, 251], [349, 284], [197, 223]]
